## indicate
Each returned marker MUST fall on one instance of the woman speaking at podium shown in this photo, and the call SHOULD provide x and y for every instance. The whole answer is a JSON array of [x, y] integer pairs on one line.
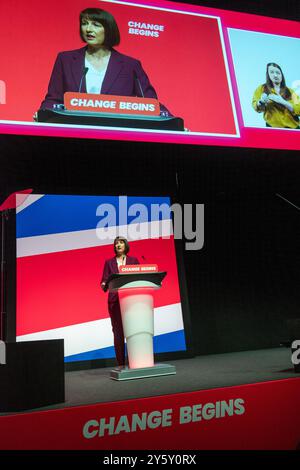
[[111, 266], [97, 67]]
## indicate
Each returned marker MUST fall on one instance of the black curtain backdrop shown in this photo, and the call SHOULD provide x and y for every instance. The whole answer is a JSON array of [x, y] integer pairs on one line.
[[243, 284]]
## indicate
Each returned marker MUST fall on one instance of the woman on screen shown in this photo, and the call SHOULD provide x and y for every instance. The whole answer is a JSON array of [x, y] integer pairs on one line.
[[279, 104], [111, 266], [97, 67]]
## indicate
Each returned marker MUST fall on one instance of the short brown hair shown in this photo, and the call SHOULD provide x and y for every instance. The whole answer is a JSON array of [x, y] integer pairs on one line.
[[112, 33]]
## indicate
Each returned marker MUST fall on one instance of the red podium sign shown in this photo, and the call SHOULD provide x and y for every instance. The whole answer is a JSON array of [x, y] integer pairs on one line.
[[138, 268], [111, 104]]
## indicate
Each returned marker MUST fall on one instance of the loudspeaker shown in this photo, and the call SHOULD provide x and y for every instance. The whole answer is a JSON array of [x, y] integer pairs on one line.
[[33, 375]]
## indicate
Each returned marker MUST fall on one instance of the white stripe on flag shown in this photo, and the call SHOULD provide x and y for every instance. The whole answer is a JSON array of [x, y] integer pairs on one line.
[[54, 243], [94, 335], [30, 199]]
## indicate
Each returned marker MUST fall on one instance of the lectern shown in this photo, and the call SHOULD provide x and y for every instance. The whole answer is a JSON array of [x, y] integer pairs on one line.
[[136, 302], [89, 109], [87, 118]]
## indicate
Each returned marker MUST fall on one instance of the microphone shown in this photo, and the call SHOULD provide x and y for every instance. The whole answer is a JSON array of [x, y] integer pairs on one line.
[[139, 83], [85, 71]]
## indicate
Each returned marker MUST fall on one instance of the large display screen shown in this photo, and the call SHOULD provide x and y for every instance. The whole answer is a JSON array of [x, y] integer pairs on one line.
[[221, 77], [62, 245]]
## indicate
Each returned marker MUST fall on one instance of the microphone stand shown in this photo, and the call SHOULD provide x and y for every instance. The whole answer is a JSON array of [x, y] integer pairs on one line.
[[138, 83], [85, 71]]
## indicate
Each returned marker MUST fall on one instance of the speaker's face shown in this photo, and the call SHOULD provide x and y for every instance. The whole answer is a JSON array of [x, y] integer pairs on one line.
[[120, 247], [93, 32]]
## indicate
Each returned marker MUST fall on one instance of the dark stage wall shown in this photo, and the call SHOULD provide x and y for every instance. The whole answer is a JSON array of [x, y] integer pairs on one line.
[[242, 285]]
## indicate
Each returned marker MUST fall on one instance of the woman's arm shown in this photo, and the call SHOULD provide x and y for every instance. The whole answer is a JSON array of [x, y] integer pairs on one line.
[[259, 100], [296, 103], [278, 99], [55, 94], [105, 275], [147, 89]]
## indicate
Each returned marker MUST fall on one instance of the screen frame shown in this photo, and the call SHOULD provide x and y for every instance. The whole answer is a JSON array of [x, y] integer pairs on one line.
[[247, 137], [105, 362]]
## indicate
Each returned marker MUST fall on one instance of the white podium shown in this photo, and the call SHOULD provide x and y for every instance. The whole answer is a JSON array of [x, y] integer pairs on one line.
[[135, 292]]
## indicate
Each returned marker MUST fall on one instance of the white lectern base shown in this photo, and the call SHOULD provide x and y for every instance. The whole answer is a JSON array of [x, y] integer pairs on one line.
[[124, 373]]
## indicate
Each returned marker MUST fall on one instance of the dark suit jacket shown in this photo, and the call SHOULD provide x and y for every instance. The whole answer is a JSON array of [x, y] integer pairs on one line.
[[119, 78], [111, 267]]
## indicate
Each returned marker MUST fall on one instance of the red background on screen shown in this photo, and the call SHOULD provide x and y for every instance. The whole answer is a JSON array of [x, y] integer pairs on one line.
[[185, 64], [65, 286]]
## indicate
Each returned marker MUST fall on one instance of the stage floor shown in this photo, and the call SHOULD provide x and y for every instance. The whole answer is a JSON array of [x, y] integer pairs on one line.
[[250, 387], [93, 386]]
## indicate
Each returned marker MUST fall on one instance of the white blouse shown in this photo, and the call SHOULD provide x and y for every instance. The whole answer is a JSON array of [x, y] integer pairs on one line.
[[121, 261], [94, 78]]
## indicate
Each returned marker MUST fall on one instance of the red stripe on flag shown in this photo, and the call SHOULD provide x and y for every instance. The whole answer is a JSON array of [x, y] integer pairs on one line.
[[61, 289]]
